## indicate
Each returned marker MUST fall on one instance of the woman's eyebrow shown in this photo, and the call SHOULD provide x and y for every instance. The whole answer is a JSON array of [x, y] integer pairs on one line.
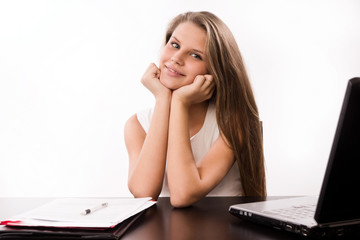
[[198, 51], [175, 38], [195, 50]]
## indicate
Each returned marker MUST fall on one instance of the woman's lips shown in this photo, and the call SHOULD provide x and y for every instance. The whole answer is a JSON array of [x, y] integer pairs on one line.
[[173, 72]]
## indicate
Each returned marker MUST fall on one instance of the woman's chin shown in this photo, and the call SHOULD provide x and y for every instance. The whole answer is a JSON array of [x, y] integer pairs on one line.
[[169, 85]]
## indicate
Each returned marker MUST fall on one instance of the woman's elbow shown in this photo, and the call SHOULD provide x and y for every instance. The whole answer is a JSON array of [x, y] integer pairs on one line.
[[182, 200], [139, 192]]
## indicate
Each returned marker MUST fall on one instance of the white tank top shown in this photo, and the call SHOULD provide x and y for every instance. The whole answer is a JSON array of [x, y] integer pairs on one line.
[[201, 144]]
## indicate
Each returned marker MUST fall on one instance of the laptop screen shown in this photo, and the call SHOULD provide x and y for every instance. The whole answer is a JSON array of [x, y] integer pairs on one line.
[[339, 199]]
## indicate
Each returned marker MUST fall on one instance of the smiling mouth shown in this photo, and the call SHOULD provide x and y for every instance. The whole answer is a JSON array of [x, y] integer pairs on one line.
[[173, 71]]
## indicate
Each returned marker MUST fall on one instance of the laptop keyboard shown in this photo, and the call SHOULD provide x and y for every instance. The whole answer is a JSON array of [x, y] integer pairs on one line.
[[295, 212]]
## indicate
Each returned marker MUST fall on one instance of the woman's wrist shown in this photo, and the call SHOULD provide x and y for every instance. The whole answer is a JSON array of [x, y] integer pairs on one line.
[[165, 97], [177, 101]]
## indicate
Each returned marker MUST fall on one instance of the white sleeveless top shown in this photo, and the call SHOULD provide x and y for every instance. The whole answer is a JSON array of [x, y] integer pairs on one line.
[[201, 144]]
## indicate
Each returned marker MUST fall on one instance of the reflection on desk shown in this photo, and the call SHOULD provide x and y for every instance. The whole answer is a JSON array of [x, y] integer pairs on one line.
[[207, 219]]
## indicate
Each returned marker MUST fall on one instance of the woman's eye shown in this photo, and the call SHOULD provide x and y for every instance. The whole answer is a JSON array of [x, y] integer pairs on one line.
[[175, 45], [196, 56]]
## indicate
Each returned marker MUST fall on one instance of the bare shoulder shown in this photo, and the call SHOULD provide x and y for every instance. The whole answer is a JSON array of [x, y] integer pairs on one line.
[[222, 147], [133, 130], [220, 154], [132, 122]]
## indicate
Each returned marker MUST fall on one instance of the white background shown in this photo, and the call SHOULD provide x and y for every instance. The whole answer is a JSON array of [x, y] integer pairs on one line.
[[70, 78]]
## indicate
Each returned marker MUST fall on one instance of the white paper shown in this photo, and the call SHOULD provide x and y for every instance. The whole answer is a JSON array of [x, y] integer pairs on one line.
[[66, 212]]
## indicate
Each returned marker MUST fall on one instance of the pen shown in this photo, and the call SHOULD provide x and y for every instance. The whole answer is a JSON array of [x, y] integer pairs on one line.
[[90, 210]]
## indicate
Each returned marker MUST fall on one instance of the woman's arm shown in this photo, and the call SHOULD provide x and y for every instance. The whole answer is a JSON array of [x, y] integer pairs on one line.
[[188, 181], [147, 152]]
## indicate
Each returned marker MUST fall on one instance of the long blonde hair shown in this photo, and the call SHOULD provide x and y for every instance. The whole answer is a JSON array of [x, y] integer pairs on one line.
[[236, 110]]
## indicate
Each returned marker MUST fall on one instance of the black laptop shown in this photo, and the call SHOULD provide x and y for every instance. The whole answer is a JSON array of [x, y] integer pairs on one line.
[[336, 211]]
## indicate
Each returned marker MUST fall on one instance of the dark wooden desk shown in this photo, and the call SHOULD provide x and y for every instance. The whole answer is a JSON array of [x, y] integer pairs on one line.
[[207, 219]]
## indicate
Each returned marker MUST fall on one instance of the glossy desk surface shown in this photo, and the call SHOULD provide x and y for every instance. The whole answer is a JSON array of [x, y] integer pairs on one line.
[[207, 219]]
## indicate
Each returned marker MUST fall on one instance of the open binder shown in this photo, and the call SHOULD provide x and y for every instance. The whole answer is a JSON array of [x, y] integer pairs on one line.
[[34, 233], [37, 224]]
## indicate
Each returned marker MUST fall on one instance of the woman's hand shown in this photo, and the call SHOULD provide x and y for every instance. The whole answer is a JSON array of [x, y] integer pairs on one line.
[[151, 80], [200, 90]]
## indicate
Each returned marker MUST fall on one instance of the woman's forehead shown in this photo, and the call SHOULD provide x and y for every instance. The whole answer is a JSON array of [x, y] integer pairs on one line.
[[190, 34]]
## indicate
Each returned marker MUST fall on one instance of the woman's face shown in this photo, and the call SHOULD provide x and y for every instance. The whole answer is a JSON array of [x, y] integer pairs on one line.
[[183, 57]]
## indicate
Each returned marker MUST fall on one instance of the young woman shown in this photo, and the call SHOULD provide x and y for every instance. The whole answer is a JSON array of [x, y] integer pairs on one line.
[[204, 120]]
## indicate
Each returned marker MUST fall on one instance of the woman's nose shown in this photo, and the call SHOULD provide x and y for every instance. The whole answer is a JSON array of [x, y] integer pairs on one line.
[[178, 58]]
